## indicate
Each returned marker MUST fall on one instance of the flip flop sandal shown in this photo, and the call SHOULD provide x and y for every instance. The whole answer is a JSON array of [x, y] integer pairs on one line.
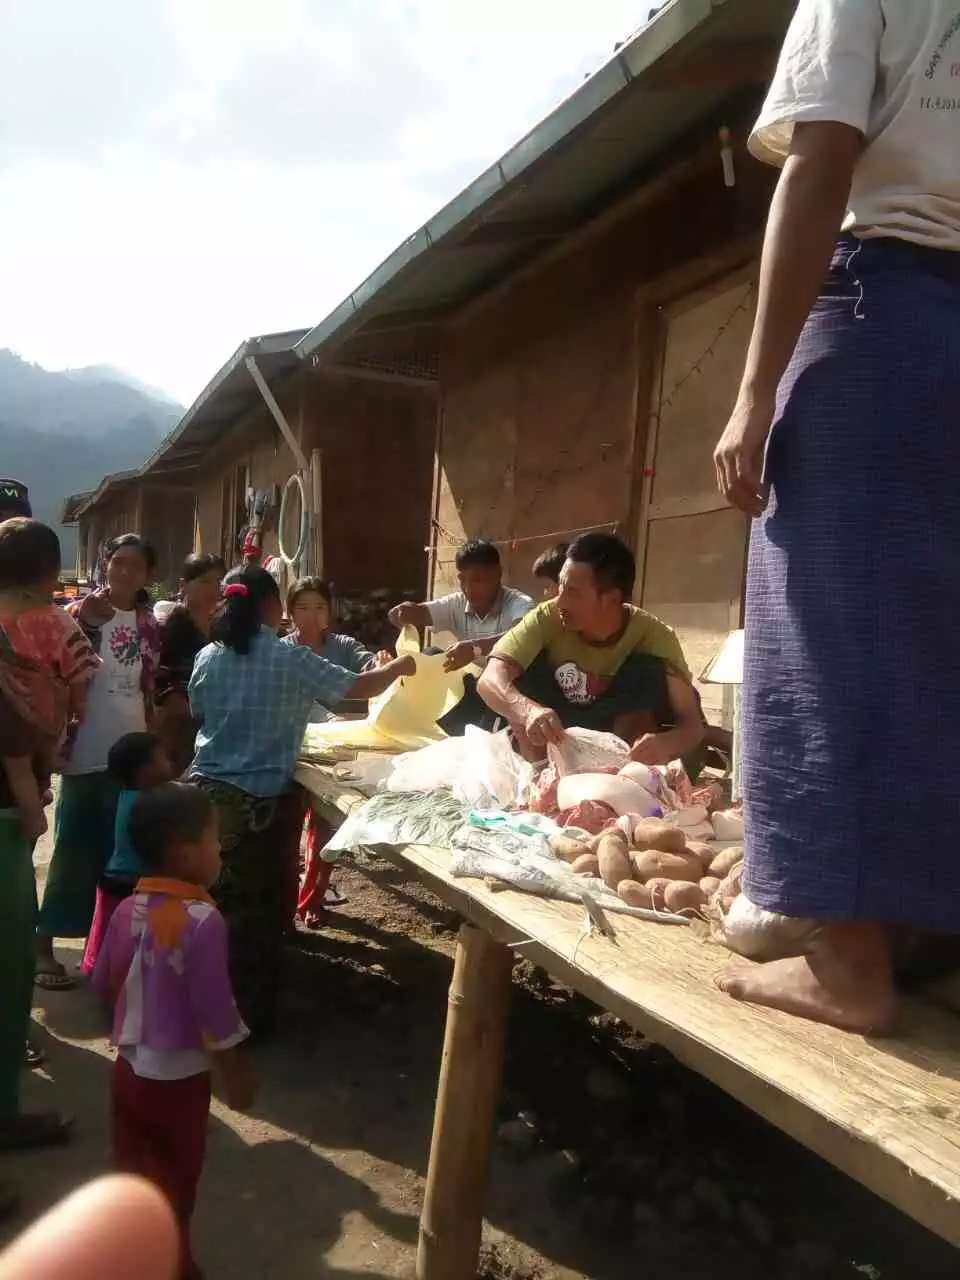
[[35, 1129], [333, 899], [53, 981]]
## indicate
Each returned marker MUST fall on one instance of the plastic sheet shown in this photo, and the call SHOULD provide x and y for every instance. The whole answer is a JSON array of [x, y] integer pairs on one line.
[[405, 716], [526, 863], [587, 750], [481, 768], [428, 818], [522, 861], [762, 935]]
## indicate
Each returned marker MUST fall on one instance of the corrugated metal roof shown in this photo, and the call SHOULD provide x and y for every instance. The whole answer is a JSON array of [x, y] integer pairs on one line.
[[673, 75], [229, 394], [71, 505], [78, 504]]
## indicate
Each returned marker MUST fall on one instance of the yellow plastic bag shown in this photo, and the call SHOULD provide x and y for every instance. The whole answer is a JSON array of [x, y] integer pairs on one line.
[[403, 718]]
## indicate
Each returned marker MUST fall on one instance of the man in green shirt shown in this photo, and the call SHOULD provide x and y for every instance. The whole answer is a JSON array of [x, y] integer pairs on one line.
[[591, 659]]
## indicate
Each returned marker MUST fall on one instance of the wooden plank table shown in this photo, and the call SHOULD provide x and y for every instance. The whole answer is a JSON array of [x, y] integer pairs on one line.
[[886, 1111]]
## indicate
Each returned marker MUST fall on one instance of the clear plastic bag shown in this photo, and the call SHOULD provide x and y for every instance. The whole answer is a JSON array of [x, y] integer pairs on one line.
[[762, 935], [482, 769], [587, 751]]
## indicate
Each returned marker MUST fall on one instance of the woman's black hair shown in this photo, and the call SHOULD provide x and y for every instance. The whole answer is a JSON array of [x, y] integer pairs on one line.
[[132, 540], [129, 755], [198, 564], [146, 550], [163, 817], [237, 618], [319, 586]]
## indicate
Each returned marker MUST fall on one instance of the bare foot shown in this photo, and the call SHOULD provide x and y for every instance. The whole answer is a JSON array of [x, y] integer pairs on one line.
[[846, 981]]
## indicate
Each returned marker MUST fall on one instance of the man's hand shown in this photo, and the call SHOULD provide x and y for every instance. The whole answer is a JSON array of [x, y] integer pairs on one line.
[[544, 727], [458, 656], [739, 456], [653, 749], [407, 665], [401, 614]]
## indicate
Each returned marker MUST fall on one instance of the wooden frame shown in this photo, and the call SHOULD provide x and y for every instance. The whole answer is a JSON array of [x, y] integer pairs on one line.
[[677, 506], [882, 1111], [669, 309]]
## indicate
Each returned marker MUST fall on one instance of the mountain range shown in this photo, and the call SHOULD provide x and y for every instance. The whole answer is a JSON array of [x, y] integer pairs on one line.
[[62, 432]]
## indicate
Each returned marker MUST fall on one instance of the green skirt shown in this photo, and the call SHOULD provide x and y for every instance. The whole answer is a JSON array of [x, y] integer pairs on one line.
[[83, 842], [18, 911]]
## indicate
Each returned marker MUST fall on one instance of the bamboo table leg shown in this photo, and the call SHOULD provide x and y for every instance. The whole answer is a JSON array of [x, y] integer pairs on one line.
[[452, 1215]]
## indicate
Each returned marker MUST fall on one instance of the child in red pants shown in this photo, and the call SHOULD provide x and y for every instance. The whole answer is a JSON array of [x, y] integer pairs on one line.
[[163, 964]]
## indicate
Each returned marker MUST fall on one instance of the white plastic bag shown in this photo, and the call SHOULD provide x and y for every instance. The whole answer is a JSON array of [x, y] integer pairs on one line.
[[586, 751], [481, 768], [764, 935], [491, 763], [728, 825], [429, 768], [366, 774]]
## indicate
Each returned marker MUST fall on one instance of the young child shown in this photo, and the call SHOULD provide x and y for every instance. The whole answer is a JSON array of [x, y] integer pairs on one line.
[[46, 662], [163, 965], [137, 761]]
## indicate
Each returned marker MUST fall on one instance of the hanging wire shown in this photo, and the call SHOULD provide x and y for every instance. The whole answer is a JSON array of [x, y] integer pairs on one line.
[[745, 304], [513, 543]]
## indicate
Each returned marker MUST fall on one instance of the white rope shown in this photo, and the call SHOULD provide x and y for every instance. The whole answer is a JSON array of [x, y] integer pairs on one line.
[[295, 480]]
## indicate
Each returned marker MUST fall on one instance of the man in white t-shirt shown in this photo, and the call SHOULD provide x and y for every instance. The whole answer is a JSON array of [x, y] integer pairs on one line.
[[477, 615], [854, 366], [889, 69]]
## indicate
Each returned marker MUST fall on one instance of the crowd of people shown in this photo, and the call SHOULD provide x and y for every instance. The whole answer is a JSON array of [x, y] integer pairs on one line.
[[176, 731]]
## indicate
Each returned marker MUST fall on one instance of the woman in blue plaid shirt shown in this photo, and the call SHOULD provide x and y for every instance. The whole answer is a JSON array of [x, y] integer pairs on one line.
[[252, 695]]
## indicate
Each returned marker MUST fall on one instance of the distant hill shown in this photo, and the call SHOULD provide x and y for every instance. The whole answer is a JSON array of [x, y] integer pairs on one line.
[[60, 433]]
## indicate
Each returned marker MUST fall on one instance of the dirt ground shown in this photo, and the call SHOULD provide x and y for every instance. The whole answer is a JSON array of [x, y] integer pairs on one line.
[[611, 1159]]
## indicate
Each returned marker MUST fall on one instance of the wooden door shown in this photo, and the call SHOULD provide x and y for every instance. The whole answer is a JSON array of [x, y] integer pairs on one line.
[[692, 546]]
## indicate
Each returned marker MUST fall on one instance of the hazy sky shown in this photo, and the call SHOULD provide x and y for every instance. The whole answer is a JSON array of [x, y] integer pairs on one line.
[[178, 175]]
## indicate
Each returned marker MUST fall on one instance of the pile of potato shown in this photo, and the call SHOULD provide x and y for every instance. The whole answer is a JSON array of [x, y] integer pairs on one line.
[[661, 871]]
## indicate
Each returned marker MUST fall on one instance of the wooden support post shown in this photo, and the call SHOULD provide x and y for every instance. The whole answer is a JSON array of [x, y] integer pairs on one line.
[[452, 1215]]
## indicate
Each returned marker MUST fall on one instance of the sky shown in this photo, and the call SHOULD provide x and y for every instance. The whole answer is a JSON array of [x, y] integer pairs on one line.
[[180, 175]]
